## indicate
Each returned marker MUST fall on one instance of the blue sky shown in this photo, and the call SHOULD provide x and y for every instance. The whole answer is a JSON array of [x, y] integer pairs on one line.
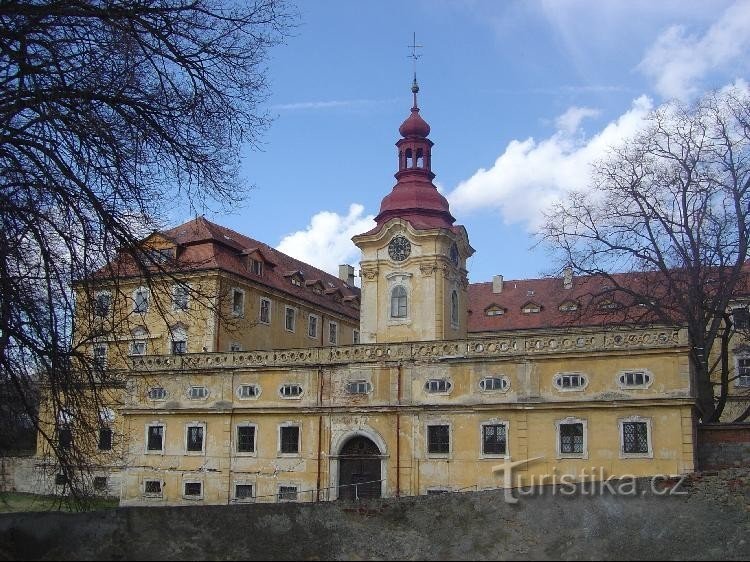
[[521, 97]]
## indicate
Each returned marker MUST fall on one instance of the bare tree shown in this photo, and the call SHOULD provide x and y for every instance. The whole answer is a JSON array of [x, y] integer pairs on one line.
[[111, 112], [670, 208]]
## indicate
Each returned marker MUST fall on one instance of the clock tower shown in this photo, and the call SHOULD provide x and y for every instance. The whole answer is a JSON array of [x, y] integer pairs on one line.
[[414, 278]]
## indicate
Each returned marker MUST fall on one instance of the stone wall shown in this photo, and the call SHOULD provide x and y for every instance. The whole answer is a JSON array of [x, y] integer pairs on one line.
[[710, 521], [725, 445]]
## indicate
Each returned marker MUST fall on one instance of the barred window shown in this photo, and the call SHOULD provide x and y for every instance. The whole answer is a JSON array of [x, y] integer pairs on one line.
[[193, 489], [287, 493], [743, 371], [438, 439], [245, 439], [635, 438], [571, 438], [289, 439], [494, 439], [152, 487], [243, 491]]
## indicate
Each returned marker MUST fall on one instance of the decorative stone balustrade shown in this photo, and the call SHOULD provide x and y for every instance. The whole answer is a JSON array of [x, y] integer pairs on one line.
[[505, 346]]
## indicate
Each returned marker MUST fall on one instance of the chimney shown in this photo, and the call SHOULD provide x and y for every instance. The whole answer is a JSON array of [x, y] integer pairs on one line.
[[568, 277], [346, 273], [497, 284]]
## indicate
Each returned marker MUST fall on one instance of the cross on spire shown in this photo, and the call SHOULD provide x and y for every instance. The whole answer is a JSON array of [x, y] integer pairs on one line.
[[414, 56]]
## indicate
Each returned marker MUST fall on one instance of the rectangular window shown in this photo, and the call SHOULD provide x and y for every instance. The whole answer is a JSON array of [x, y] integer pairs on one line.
[[494, 439], [245, 439], [100, 356], [179, 347], [195, 438], [741, 318], [289, 318], [102, 304], [333, 333], [243, 492], [180, 297], [140, 301], [289, 439], [287, 493], [65, 438], [265, 311], [193, 489], [155, 438], [355, 336], [635, 438], [238, 302], [312, 326], [743, 371], [100, 483], [438, 439], [256, 267], [138, 347], [234, 346], [152, 487], [571, 438], [105, 439]]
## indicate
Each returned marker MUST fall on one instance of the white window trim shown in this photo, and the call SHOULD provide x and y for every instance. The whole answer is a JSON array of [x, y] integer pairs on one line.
[[317, 326], [252, 498], [370, 387], [175, 287], [178, 329], [241, 313], [193, 480], [396, 320], [649, 434], [299, 440], [257, 391], [737, 370], [567, 421], [502, 390], [166, 394], [97, 294], [335, 327], [297, 397], [494, 421], [202, 452], [188, 392], [148, 451], [294, 318], [560, 388], [451, 386], [254, 453], [427, 425], [138, 339], [148, 299], [150, 495], [260, 311], [288, 484], [648, 374]]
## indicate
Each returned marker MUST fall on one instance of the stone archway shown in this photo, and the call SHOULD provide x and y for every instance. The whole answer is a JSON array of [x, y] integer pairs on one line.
[[359, 469]]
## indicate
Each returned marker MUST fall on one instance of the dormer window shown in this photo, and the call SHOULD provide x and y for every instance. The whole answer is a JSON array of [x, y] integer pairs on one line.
[[295, 278], [608, 304], [315, 286], [256, 267], [531, 308], [494, 310], [160, 255], [296, 281], [568, 306]]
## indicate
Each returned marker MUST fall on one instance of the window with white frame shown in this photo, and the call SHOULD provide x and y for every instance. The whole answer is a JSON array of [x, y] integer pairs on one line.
[[156, 393], [494, 439], [312, 326], [140, 300], [634, 379], [246, 438], [102, 303], [571, 438], [743, 371], [290, 391], [197, 393], [194, 438], [494, 384], [438, 386], [155, 438], [570, 381], [244, 491], [180, 293], [333, 333], [635, 437], [248, 391], [438, 439], [193, 489], [290, 317], [265, 311], [355, 336], [289, 436], [256, 267], [358, 387], [152, 488], [238, 302], [287, 493], [399, 302], [179, 340], [138, 345]]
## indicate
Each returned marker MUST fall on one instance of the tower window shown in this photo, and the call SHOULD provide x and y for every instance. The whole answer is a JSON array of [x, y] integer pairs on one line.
[[398, 302], [419, 163], [454, 307], [408, 160]]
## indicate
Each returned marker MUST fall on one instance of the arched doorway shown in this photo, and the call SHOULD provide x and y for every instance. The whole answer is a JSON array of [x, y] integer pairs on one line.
[[359, 469]]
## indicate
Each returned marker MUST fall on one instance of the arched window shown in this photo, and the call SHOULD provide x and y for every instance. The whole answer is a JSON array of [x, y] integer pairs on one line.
[[179, 339], [140, 300], [398, 302], [454, 307], [419, 159], [408, 160]]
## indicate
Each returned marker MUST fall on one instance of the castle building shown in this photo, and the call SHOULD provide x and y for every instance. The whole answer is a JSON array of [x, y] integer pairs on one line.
[[422, 383]]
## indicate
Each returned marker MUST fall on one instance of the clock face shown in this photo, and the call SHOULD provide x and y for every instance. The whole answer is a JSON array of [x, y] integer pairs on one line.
[[454, 254], [399, 248]]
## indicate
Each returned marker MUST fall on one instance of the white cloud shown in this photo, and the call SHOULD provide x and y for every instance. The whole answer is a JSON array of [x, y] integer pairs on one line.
[[531, 175], [326, 242], [570, 121], [678, 61]]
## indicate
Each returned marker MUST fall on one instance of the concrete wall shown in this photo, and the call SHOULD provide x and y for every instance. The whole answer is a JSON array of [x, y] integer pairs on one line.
[[710, 522], [724, 445]]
